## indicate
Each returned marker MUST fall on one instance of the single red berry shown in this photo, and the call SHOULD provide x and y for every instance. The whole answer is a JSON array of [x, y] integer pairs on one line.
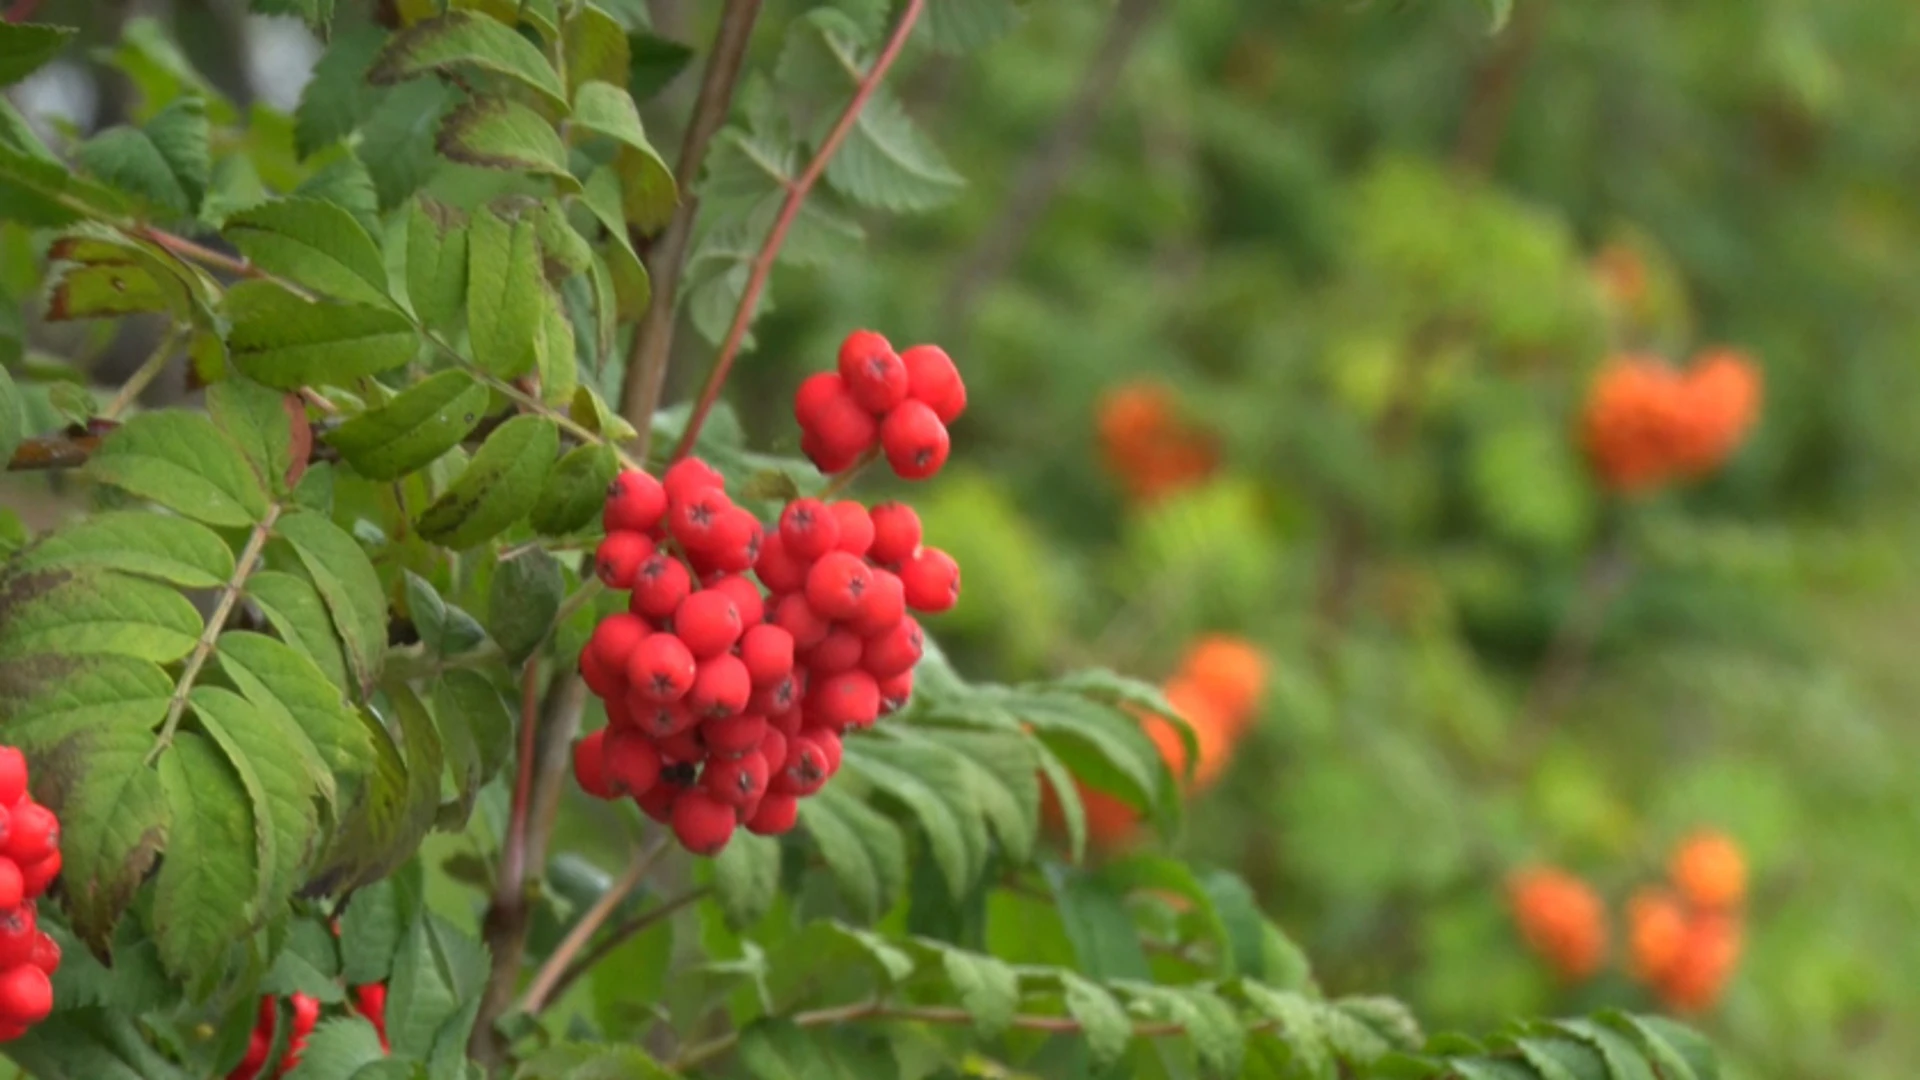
[[894, 651], [614, 640], [773, 744], [895, 690], [794, 614], [13, 887], [46, 952], [661, 719], [731, 736], [695, 520], [606, 682], [849, 699], [777, 568], [635, 503], [658, 803], [775, 697], [617, 560], [827, 458], [36, 876], [896, 532], [662, 668], [838, 651], [932, 580], [777, 814], [26, 995], [658, 587], [808, 529], [856, 527], [932, 378], [703, 823], [841, 431], [768, 653], [708, 622], [35, 833], [828, 740], [734, 542], [13, 776], [306, 1013], [6, 820], [590, 765], [789, 722], [632, 762], [805, 769], [684, 747], [745, 596], [915, 441], [259, 1045], [689, 475], [737, 781], [872, 371], [835, 585], [882, 606], [721, 687], [17, 927], [813, 397]]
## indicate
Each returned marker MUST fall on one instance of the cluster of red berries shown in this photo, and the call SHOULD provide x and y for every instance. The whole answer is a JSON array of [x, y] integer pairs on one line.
[[748, 649], [29, 861], [899, 402], [369, 1001]]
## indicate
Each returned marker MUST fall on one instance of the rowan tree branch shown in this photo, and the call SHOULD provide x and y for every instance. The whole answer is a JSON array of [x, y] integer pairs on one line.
[[547, 982], [789, 209], [625, 931]]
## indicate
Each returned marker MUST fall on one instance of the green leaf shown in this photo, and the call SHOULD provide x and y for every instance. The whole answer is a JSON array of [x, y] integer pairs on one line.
[[127, 160], [47, 698], [296, 612], [556, 351], [576, 490], [989, 989], [595, 45], [85, 611], [1103, 746], [1498, 12], [337, 98], [309, 964], [276, 679], [203, 896], [918, 777], [1073, 812], [158, 546], [394, 141], [657, 61], [180, 133], [1299, 1020], [373, 831], [476, 730], [462, 40], [964, 26], [181, 461], [347, 582], [522, 601], [13, 421], [746, 878], [503, 294], [445, 629], [604, 198], [316, 244], [377, 917], [1666, 1060], [277, 767], [864, 851], [39, 190], [436, 263], [578, 1061], [413, 430], [498, 488], [90, 1044], [1103, 1022], [608, 110], [26, 46], [563, 251], [287, 342], [344, 180], [495, 133], [337, 1049], [261, 422], [104, 291], [420, 997]]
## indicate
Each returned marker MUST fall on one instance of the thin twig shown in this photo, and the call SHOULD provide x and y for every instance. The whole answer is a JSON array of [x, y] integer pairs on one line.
[[653, 338], [542, 989], [210, 636], [1496, 86], [144, 375], [1606, 574], [789, 209], [623, 933], [513, 866], [216, 260]]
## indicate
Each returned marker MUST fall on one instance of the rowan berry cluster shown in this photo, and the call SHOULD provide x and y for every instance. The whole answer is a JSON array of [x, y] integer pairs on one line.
[[1148, 445], [369, 1001], [1646, 424], [29, 861], [1686, 940], [749, 648]]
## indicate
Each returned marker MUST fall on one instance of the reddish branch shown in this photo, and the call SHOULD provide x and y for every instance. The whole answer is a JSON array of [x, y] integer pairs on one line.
[[22, 10], [797, 193]]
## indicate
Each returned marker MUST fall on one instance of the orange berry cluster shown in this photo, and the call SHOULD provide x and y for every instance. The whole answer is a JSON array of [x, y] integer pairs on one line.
[[369, 1001], [1686, 940], [1148, 445], [29, 861], [1646, 424], [747, 648], [1561, 919]]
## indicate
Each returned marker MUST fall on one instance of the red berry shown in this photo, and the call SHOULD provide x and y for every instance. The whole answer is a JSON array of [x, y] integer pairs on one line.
[[776, 697], [658, 587], [708, 622], [896, 532], [614, 640], [808, 529], [721, 687], [737, 782], [777, 568], [830, 746], [306, 1013], [13, 776], [658, 803], [684, 747], [695, 520], [773, 744], [768, 653], [34, 835], [882, 606], [632, 762], [661, 720], [805, 769], [838, 651], [734, 542], [932, 580], [813, 397], [689, 475], [856, 527], [895, 690], [17, 927], [849, 699], [703, 823], [26, 995], [915, 441], [872, 371], [745, 596], [590, 765], [46, 952], [789, 722], [6, 823], [662, 668], [13, 887], [731, 736], [617, 560], [35, 877], [797, 617], [835, 585], [932, 378], [825, 457], [605, 682], [895, 650], [777, 814], [635, 503], [841, 431]]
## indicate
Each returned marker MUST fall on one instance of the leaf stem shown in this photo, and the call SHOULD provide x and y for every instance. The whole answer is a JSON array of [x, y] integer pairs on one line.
[[144, 375], [216, 260], [529, 402], [547, 980], [789, 210], [216, 622], [513, 866], [621, 934]]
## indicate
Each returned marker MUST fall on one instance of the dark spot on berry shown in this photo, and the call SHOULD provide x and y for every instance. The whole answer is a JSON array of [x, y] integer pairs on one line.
[[680, 773]]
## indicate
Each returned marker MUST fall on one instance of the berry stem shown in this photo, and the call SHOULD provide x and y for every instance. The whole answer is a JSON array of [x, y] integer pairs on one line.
[[621, 934], [547, 980], [789, 210], [143, 377], [847, 476]]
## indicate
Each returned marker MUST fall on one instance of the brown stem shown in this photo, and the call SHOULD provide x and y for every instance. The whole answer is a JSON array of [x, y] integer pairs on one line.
[[653, 338], [620, 935], [143, 376], [1496, 86], [548, 978], [789, 209], [505, 923], [1606, 575], [1052, 162]]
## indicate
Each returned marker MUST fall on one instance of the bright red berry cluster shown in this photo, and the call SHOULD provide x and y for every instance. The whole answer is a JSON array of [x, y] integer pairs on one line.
[[747, 648], [369, 1001], [29, 861], [898, 402]]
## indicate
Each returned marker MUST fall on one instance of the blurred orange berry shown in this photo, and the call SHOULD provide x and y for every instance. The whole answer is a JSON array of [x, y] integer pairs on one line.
[[1656, 930], [1145, 443], [1230, 671], [1561, 918], [1722, 393], [1708, 954], [1709, 871], [1645, 423]]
